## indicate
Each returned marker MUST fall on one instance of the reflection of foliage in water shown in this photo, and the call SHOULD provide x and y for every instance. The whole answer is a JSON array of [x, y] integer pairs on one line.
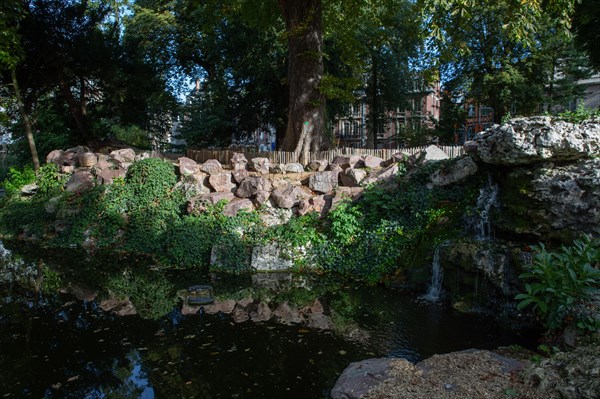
[[152, 295]]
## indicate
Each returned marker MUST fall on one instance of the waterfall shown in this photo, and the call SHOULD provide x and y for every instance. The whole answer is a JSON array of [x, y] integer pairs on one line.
[[488, 199], [437, 277]]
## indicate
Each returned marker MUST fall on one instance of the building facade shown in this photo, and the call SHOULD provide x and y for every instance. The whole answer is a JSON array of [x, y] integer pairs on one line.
[[422, 112]]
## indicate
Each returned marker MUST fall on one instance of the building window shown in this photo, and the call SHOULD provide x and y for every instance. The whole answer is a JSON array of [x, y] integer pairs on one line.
[[471, 110]]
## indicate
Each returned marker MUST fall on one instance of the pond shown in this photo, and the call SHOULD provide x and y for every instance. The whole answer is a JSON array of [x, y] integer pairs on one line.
[[54, 345]]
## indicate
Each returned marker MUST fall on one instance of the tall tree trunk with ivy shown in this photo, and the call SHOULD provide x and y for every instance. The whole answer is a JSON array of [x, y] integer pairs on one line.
[[26, 121], [306, 112]]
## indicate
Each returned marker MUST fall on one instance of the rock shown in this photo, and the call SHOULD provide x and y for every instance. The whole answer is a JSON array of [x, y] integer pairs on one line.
[[81, 180], [288, 196], [252, 185], [239, 315], [320, 204], [434, 153], [346, 193], [381, 176], [536, 139], [212, 167], [262, 313], [55, 157], [359, 377], [52, 205], [352, 177], [294, 167], [188, 166], [286, 314], [323, 182], [395, 158], [239, 161], [551, 201], [187, 310], [278, 169], [319, 322], [453, 173], [226, 306], [245, 303], [198, 204], [123, 157], [29, 189], [106, 176], [268, 258], [236, 205], [221, 182], [117, 306], [466, 374], [262, 197], [88, 159], [239, 175], [372, 162], [195, 183], [260, 165], [272, 216], [67, 169], [318, 165]]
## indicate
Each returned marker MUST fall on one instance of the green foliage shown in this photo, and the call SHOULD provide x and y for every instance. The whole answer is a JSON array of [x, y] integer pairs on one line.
[[581, 114], [16, 179], [151, 293], [133, 136], [48, 179], [558, 285]]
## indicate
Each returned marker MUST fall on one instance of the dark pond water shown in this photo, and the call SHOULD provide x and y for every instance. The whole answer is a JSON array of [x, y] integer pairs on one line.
[[53, 345]]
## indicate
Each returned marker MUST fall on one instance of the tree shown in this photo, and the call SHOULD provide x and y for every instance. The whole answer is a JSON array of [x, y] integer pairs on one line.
[[490, 51], [585, 25], [10, 56]]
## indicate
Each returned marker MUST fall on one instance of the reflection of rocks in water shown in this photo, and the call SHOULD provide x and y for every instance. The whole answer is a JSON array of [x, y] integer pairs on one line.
[[272, 281], [118, 306], [81, 292], [313, 316]]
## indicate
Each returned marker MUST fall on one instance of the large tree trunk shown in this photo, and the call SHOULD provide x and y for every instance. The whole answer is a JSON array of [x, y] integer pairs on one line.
[[26, 121], [76, 107], [306, 108]]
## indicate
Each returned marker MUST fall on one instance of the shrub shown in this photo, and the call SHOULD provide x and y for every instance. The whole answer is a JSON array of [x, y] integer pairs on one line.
[[559, 284], [16, 179]]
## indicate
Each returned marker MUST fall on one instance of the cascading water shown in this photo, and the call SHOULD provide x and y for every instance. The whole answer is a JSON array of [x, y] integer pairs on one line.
[[488, 199], [437, 277]]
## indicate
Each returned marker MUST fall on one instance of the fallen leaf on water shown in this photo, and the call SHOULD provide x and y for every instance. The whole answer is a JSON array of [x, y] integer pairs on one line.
[[74, 378], [342, 352]]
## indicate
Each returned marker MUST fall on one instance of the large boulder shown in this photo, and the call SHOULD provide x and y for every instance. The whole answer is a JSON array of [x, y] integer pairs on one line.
[[352, 177], [107, 175], [81, 180], [268, 258], [372, 162], [551, 201], [222, 182], [87, 159], [531, 140], [381, 175], [288, 196], [324, 182], [239, 161], [239, 175], [237, 204], [317, 165], [188, 166], [261, 165], [294, 167], [250, 186], [467, 374], [199, 203], [453, 172], [212, 167], [123, 157]]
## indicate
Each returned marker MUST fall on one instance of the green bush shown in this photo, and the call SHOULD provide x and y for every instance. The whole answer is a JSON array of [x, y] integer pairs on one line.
[[581, 114], [559, 284], [16, 179]]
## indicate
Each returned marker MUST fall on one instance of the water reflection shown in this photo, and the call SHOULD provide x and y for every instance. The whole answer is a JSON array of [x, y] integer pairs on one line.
[[64, 333]]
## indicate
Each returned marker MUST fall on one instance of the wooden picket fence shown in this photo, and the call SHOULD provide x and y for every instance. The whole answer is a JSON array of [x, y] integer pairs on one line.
[[283, 157]]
